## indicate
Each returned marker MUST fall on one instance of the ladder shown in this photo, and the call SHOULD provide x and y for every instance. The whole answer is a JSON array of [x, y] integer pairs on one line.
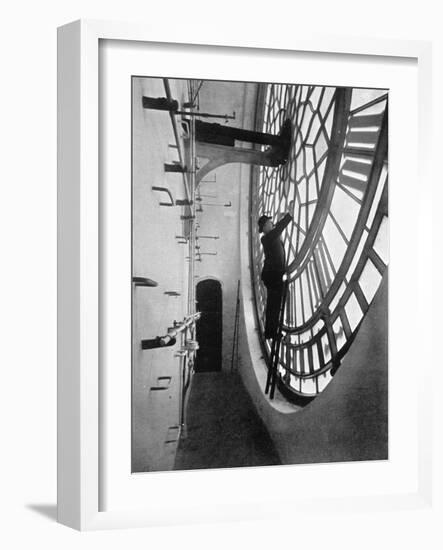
[[271, 379]]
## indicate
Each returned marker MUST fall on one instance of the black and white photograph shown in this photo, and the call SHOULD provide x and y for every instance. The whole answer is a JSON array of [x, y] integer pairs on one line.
[[260, 253], [222, 261]]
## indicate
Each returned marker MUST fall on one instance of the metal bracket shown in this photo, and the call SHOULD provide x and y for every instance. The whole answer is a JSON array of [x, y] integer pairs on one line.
[[164, 190], [183, 202], [143, 281], [175, 167]]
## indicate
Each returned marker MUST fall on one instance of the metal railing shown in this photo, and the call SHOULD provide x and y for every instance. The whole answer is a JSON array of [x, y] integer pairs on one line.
[[169, 339]]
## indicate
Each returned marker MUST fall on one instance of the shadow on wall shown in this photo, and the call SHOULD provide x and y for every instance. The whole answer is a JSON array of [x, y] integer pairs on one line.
[[349, 420]]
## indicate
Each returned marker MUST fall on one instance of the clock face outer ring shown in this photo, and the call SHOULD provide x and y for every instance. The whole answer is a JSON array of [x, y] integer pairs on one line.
[[340, 131]]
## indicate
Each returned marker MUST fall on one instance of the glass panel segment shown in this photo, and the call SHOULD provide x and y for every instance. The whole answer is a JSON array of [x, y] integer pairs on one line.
[[294, 382], [345, 210], [308, 386], [315, 359], [361, 96], [353, 311], [305, 336], [357, 254], [306, 362], [297, 365], [381, 243], [334, 241], [317, 327], [298, 303], [323, 380], [340, 337], [326, 348], [380, 187], [338, 295], [369, 281], [306, 296]]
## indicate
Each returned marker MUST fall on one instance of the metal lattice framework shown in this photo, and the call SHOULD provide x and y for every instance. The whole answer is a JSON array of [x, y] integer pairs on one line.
[[335, 186]]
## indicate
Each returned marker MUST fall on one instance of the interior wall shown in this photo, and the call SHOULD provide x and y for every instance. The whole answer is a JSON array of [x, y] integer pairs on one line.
[[157, 255]]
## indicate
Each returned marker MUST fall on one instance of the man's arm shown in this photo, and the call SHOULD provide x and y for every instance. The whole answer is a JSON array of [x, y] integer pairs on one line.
[[279, 227]]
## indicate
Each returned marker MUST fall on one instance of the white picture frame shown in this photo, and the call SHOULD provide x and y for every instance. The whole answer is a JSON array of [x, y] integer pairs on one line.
[[79, 412]]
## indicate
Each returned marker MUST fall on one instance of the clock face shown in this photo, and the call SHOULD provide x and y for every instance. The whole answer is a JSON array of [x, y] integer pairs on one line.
[[334, 184]]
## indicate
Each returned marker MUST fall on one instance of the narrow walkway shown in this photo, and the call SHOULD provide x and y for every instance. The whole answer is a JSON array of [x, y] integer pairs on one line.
[[224, 430]]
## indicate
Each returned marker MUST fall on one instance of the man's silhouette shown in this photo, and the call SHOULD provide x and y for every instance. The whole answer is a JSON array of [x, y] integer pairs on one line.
[[273, 270]]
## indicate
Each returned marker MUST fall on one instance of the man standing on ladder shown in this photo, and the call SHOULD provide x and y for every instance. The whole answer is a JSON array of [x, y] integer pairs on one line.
[[273, 270]]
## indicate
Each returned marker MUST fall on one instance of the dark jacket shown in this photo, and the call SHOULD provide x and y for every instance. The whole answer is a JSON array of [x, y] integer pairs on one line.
[[273, 247]]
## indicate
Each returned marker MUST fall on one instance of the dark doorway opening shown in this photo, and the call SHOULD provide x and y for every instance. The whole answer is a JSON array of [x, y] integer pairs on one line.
[[209, 326]]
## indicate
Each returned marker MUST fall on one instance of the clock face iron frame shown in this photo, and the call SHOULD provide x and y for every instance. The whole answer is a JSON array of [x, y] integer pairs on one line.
[[335, 185]]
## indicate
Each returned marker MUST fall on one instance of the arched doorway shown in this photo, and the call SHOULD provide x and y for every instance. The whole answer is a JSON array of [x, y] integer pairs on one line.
[[209, 326]]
